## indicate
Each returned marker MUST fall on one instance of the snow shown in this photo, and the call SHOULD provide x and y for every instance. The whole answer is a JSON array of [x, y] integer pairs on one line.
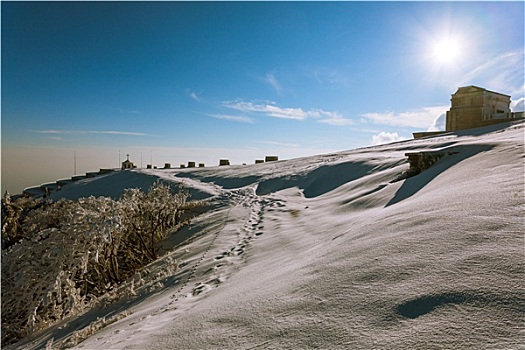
[[113, 185], [333, 251]]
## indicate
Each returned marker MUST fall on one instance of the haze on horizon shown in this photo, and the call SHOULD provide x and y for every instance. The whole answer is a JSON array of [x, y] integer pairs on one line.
[[192, 81]]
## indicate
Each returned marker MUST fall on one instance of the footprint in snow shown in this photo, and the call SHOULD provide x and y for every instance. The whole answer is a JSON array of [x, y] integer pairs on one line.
[[200, 288], [223, 255], [239, 251]]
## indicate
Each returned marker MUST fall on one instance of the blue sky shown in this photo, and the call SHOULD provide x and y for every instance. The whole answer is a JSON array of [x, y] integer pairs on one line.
[[180, 81]]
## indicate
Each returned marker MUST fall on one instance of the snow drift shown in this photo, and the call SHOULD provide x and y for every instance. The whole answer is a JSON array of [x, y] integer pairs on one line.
[[337, 251]]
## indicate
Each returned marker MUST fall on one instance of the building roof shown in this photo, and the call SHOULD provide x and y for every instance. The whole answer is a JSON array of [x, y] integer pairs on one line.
[[473, 88]]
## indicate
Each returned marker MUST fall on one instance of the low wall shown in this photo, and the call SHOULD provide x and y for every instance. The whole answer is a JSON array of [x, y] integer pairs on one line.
[[420, 134], [45, 189], [420, 161]]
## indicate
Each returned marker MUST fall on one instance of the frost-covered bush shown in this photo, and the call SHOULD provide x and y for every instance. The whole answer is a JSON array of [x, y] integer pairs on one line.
[[77, 251], [147, 216], [13, 213], [47, 215]]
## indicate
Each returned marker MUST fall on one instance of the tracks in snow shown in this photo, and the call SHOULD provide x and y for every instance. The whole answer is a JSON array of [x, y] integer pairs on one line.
[[243, 222], [226, 249]]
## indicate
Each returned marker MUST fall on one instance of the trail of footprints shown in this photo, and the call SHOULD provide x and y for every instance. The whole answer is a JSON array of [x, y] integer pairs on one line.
[[251, 228], [222, 264]]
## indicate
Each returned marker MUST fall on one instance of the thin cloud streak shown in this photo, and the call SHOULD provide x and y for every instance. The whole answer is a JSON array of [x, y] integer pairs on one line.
[[337, 120], [233, 118], [270, 109], [503, 72], [329, 76], [90, 132], [193, 95], [280, 144], [272, 81]]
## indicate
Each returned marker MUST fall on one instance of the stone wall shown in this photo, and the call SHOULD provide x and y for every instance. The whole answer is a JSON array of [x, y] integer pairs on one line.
[[420, 161]]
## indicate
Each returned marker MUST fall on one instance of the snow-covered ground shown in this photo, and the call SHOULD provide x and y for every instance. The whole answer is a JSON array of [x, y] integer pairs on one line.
[[330, 252]]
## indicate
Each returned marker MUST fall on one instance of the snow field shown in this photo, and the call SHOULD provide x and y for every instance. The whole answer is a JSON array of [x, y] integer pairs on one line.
[[339, 252]]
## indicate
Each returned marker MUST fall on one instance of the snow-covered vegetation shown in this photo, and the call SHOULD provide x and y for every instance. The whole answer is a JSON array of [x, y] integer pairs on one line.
[[62, 257], [336, 251]]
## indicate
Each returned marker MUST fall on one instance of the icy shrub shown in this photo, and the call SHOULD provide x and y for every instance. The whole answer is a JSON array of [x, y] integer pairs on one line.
[[74, 252], [13, 213], [47, 215], [147, 216]]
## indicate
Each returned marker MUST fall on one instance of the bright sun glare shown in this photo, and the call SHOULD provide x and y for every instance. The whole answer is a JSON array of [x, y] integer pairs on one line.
[[446, 50]]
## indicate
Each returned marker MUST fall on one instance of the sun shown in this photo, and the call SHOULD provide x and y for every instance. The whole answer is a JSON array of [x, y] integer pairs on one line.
[[446, 50]]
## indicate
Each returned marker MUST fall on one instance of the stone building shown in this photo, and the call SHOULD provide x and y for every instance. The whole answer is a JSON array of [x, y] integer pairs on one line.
[[475, 107]]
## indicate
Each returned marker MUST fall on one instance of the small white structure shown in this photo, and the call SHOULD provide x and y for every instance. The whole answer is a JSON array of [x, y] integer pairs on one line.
[[127, 164]]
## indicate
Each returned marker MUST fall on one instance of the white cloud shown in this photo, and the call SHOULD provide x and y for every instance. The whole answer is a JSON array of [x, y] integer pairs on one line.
[[51, 131], [518, 105], [386, 137], [337, 120], [439, 123], [329, 76], [91, 132], [420, 118], [270, 109], [193, 95], [272, 80], [233, 118]]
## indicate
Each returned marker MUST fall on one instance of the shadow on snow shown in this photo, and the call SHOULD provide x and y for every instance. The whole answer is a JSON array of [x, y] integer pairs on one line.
[[414, 184]]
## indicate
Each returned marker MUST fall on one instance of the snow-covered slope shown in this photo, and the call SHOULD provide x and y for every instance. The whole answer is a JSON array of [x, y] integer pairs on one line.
[[331, 252]]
